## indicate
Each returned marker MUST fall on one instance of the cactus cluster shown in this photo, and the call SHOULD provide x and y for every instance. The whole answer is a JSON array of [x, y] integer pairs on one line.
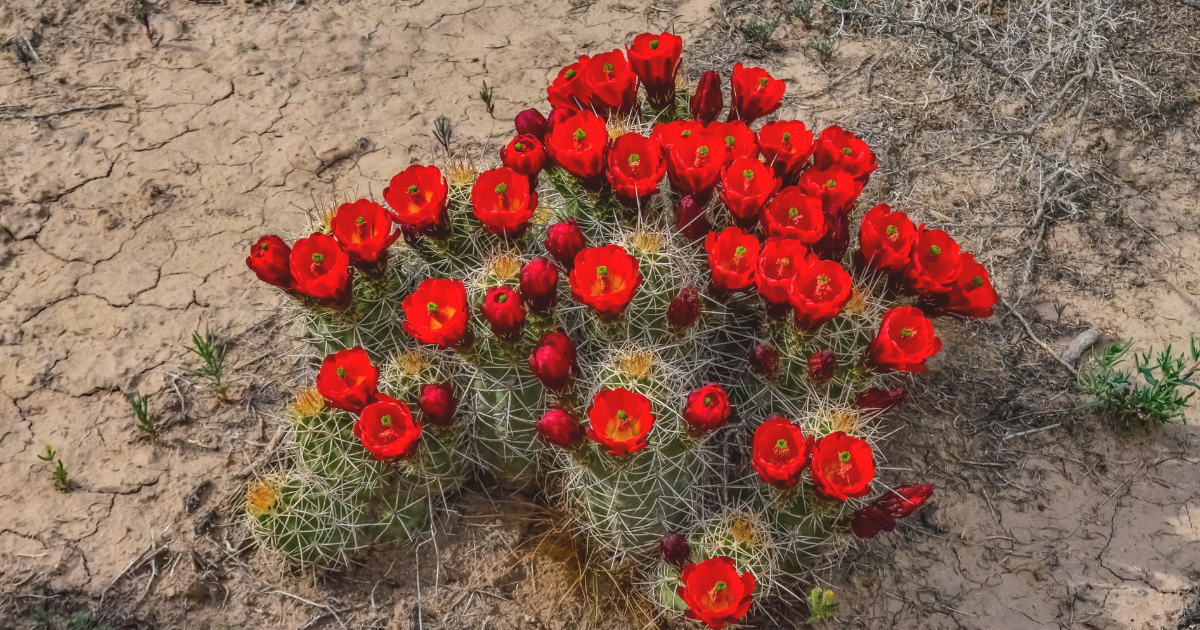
[[660, 320]]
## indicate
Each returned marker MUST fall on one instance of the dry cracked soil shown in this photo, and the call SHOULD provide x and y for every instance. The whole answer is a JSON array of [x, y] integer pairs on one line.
[[136, 170]]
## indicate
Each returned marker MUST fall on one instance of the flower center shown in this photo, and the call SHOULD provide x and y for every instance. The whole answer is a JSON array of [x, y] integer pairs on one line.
[[608, 70], [318, 258], [730, 141], [784, 262], [739, 254], [570, 74], [893, 232], [654, 44], [748, 174], [433, 308], [341, 372], [580, 134], [793, 213], [976, 282], [413, 189], [831, 184], [386, 421], [720, 586], [708, 401], [781, 447], [519, 147], [502, 298], [264, 247], [762, 84], [934, 250], [359, 220], [635, 160], [844, 456], [845, 150], [501, 189], [686, 133], [701, 153], [907, 333], [602, 271], [787, 137]]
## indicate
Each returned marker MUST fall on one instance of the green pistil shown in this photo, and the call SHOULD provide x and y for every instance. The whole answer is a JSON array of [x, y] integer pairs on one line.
[[844, 456], [264, 247], [787, 137], [580, 134], [602, 271], [702, 151], [386, 421], [686, 133], [730, 141], [519, 147], [907, 333], [634, 158], [720, 586], [781, 446], [341, 372], [785, 261], [822, 280], [412, 189], [501, 189], [359, 220], [654, 44], [976, 282], [317, 258], [891, 230], [846, 150], [432, 307], [934, 250], [739, 252], [608, 68], [831, 184], [621, 415], [793, 213], [748, 174], [762, 83], [708, 401], [570, 74], [502, 298]]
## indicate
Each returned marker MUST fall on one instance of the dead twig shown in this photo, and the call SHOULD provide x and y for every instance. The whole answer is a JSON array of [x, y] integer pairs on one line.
[[1029, 331]]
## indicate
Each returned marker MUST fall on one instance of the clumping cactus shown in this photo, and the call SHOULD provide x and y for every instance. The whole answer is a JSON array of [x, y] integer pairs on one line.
[[662, 320]]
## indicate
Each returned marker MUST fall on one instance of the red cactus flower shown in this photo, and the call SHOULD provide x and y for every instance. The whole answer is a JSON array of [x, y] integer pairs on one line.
[[347, 380], [531, 122], [503, 310], [577, 144], [438, 404], [436, 312], [502, 200], [715, 593], [755, 94], [554, 361], [611, 83], [675, 550], [605, 279], [655, 59], [843, 467], [707, 409], [269, 259], [564, 241], [904, 500], [837, 192], [764, 360], [570, 89], [837, 148], [562, 429], [786, 145], [694, 165], [707, 103], [821, 366], [885, 239], [539, 285], [387, 430], [881, 399], [746, 185], [972, 295], [417, 198], [635, 167], [904, 341], [667, 134], [739, 140], [935, 263], [321, 270], [818, 292], [684, 309], [780, 452], [869, 520], [364, 230], [691, 220], [781, 259], [525, 155], [619, 421], [733, 258], [793, 214]]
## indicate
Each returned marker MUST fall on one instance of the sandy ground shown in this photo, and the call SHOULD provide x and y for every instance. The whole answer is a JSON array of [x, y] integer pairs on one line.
[[134, 177]]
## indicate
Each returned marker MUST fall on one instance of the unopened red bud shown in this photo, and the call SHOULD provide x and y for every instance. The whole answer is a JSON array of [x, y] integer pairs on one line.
[[821, 366], [881, 399], [539, 285], [707, 102], [904, 500], [562, 429], [503, 309], [764, 360], [438, 404], [675, 550], [532, 122], [557, 115], [565, 240], [684, 310], [554, 361], [691, 220]]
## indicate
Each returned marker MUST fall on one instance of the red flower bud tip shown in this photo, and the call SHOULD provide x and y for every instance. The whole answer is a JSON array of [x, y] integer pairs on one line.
[[347, 380], [503, 201], [539, 285], [554, 361], [269, 259], [612, 84], [707, 102], [935, 263], [793, 214], [562, 429], [503, 310], [786, 145], [570, 90], [739, 141], [635, 168], [707, 409], [564, 241], [781, 259], [885, 240], [321, 270], [821, 366], [780, 452], [619, 421], [417, 198], [904, 500], [684, 310], [881, 399], [675, 550], [971, 295], [667, 134], [843, 467], [755, 94], [904, 341], [578, 144], [438, 404], [838, 149], [388, 430], [694, 165], [364, 230], [526, 155], [655, 60], [557, 115], [868, 521], [733, 259], [764, 360], [605, 279], [691, 220], [531, 122], [837, 192], [715, 593], [818, 292], [746, 185], [436, 312]]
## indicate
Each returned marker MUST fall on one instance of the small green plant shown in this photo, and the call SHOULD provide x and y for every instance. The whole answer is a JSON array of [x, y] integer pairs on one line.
[[803, 11], [760, 32], [147, 422], [1059, 307], [211, 351], [61, 482], [840, 5], [40, 617], [485, 95], [823, 47], [141, 13], [1148, 396], [821, 606], [23, 55], [442, 130]]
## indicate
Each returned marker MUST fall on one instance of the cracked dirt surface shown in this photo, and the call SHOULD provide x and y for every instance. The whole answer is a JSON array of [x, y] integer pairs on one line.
[[133, 178]]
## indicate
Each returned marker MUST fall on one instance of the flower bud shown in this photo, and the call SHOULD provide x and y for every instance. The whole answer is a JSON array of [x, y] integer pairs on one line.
[[881, 399], [532, 122], [557, 115], [553, 361], [868, 521], [438, 404], [675, 550], [707, 409], [904, 500], [565, 240], [764, 360], [691, 220], [562, 429], [707, 102], [503, 309], [269, 260], [684, 310], [821, 366], [539, 285]]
